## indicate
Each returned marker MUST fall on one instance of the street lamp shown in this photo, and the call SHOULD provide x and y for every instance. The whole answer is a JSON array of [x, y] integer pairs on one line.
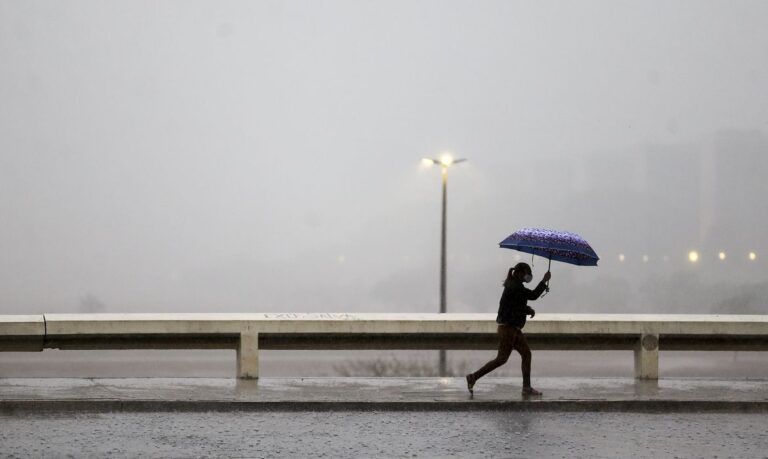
[[445, 161]]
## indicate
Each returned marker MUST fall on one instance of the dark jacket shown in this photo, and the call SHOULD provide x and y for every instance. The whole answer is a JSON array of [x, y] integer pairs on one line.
[[513, 306]]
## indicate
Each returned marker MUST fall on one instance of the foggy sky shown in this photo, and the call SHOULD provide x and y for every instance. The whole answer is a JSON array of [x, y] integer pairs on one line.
[[265, 156]]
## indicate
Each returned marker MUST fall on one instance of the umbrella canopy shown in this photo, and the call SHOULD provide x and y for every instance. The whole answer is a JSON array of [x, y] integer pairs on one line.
[[554, 245]]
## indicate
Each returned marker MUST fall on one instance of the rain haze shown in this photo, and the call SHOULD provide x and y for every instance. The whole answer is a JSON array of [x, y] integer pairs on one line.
[[272, 157], [266, 156]]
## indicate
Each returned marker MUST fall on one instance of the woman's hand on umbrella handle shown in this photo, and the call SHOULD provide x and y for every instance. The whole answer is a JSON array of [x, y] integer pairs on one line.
[[547, 276]]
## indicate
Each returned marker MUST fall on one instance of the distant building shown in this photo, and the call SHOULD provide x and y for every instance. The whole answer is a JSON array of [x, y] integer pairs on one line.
[[672, 178], [644, 204], [739, 187], [660, 201]]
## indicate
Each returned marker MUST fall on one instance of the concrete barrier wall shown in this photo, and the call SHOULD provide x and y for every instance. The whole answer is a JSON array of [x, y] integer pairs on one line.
[[644, 334], [22, 333], [72, 324]]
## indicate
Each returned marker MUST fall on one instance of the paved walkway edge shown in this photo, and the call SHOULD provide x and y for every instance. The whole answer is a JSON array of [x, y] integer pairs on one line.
[[13, 407]]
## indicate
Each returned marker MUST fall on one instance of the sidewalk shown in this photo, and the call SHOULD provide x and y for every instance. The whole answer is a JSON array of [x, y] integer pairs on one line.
[[370, 394]]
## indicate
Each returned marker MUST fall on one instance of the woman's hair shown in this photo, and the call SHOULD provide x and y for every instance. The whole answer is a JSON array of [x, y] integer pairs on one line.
[[520, 267]]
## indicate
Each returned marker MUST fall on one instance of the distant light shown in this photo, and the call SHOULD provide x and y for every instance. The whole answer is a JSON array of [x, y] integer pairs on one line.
[[693, 256], [621, 257], [446, 159], [341, 259], [752, 256], [517, 257], [645, 258], [665, 258], [721, 255], [426, 162]]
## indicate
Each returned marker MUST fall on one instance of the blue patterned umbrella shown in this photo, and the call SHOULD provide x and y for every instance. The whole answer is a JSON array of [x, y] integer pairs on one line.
[[553, 245]]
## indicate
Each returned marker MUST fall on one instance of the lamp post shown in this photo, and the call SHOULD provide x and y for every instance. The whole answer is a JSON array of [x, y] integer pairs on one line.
[[445, 161]]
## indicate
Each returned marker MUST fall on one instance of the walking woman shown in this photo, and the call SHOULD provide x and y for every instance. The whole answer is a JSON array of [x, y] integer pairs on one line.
[[513, 307]]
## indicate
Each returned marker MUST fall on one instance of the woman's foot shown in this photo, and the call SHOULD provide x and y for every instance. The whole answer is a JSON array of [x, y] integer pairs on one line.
[[471, 383], [530, 392]]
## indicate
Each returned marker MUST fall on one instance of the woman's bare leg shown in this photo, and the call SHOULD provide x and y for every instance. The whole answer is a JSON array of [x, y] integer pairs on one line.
[[507, 335]]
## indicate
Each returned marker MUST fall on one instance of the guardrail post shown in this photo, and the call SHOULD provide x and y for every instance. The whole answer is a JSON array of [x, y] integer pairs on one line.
[[647, 357], [248, 355]]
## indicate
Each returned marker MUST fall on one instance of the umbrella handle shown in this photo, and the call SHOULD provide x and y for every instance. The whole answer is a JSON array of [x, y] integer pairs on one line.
[[549, 266]]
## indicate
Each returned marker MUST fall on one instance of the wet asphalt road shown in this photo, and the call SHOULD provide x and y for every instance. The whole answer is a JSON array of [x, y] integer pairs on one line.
[[385, 434]]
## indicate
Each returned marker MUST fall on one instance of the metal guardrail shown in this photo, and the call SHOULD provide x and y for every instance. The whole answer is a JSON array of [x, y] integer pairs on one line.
[[644, 334]]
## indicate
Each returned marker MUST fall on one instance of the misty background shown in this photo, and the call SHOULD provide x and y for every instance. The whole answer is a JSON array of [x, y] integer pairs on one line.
[[238, 156]]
